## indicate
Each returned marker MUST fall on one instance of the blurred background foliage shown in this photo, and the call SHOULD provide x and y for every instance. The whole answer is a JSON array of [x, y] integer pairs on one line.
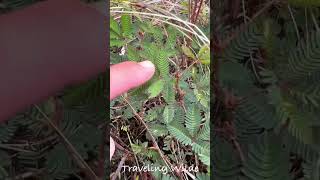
[[266, 89]]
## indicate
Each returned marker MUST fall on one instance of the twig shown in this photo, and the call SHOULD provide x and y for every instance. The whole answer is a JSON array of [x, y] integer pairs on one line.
[[294, 22], [134, 153], [168, 164], [119, 147], [74, 153], [269, 4], [314, 20]]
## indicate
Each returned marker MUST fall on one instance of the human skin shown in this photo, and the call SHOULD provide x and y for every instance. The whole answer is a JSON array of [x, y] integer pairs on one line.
[[46, 47], [53, 44]]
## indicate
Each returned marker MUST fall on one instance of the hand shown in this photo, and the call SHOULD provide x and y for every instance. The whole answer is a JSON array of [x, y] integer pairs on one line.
[[125, 76], [46, 47]]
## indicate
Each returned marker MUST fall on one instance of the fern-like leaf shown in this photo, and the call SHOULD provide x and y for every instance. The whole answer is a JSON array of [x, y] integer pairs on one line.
[[114, 26], [305, 60], [162, 64], [193, 120], [126, 25], [247, 41], [87, 92], [168, 114], [299, 122], [179, 132], [266, 159], [169, 92], [59, 164], [226, 163]]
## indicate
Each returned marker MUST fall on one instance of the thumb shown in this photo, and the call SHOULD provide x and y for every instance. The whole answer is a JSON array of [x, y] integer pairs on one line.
[[127, 75]]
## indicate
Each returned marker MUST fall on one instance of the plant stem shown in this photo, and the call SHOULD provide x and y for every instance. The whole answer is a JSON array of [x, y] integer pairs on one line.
[[73, 152]]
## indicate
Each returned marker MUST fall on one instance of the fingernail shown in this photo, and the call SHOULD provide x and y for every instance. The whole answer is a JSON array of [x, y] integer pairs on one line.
[[147, 64]]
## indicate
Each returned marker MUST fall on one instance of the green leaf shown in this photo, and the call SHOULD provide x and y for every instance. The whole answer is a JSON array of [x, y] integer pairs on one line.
[[162, 64], [114, 26], [204, 54], [178, 131], [133, 55], [116, 43], [169, 92], [168, 114], [59, 164], [136, 148], [188, 52], [5, 160], [158, 130], [193, 120], [155, 88], [126, 25], [267, 159]]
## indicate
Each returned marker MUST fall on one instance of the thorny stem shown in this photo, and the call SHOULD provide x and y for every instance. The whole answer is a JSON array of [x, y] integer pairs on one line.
[[198, 12], [193, 9]]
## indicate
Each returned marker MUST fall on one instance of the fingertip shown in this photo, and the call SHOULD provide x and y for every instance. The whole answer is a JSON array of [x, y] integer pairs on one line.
[[149, 68], [147, 64], [128, 75]]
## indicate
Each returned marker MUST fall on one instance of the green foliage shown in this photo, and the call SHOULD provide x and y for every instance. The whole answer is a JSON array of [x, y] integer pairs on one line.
[[304, 60], [226, 162], [155, 88], [5, 161], [244, 44], [87, 92], [174, 103], [8, 130], [77, 116], [126, 25], [305, 3], [267, 159], [266, 93]]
